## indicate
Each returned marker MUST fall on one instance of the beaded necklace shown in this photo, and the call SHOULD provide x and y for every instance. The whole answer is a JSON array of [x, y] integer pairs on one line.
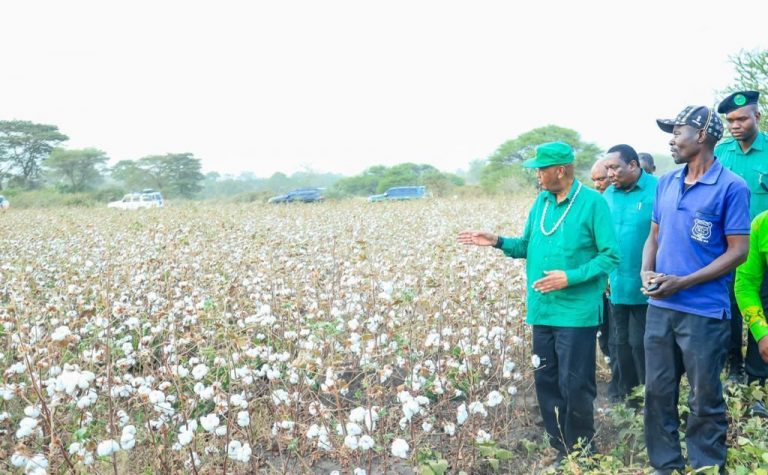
[[559, 221]]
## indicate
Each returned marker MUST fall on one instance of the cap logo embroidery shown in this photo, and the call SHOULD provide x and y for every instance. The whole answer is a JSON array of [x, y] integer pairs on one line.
[[739, 100]]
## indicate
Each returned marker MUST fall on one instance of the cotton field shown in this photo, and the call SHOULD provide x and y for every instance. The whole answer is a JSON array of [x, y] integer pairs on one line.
[[338, 337]]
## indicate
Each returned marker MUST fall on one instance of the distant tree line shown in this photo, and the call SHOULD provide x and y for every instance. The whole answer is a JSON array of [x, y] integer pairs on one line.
[[32, 157]]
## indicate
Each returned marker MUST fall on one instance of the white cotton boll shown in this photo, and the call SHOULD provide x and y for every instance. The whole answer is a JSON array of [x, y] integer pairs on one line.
[[494, 399], [128, 437], [449, 428], [209, 422], [477, 407], [359, 471], [156, 397], [461, 414], [400, 448], [351, 442], [238, 400], [199, 372], [87, 400], [19, 460], [411, 408], [239, 452], [107, 448], [426, 427], [313, 431], [180, 371], [386, 372], [26, 427], [366, 442], [371, 417], [512, 390], [185, 437], [221, 431], [403, 423], [60, 333], [535, 361], [32, 411], [482, 437], [243, 419], [485, 360], [353, 429], [37, 465], [357, 414]]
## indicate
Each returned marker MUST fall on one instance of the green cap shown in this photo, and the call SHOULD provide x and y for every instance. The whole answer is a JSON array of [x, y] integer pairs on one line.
[[548, 154]]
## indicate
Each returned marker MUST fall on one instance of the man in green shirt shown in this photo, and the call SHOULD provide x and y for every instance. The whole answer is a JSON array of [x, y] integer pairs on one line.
[[630, 198], [570, 247], [745, 154]]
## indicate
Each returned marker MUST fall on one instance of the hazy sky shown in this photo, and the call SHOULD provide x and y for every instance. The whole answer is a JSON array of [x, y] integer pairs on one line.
[[338, 86]]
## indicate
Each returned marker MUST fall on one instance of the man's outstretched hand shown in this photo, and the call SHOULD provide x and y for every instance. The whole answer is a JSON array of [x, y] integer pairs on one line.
[[478, 238]]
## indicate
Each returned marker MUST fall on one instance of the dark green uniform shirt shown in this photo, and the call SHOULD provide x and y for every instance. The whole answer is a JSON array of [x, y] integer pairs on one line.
[[584, 246], [631, 212], [752, 166]]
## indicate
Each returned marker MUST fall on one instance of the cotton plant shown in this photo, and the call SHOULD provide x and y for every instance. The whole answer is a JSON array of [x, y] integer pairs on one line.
[[207, 330]]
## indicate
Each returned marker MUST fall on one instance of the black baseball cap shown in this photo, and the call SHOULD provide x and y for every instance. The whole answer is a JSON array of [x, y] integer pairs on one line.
[[698, 117]]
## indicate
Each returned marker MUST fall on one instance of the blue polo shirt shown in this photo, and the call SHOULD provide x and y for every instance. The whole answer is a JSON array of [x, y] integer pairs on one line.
[[693, 225]]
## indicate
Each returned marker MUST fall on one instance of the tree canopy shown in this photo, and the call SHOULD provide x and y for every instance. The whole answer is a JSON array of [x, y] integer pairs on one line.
[[175, 174], [504, 171], [23, 147], [378, 179], [752, 74], [76, 170]]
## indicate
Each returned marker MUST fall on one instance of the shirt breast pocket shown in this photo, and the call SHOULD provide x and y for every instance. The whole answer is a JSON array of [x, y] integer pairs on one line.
[[707, 227], [761, 183]]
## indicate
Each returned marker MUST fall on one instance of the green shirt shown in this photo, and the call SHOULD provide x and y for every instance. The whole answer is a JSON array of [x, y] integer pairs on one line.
[[584, 246], [749, 276], [752, 166], [631, 212]]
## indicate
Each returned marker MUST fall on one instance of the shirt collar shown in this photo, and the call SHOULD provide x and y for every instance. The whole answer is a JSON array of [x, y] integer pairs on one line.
[[758, 144], [709, 178]]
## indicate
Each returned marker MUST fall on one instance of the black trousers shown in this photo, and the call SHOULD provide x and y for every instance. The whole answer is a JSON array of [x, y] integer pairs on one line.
[[754, 366], [565, 383], [677, 343], [627, 332]]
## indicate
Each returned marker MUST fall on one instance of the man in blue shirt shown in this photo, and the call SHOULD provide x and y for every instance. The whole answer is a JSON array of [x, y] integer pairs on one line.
[[699, 234]]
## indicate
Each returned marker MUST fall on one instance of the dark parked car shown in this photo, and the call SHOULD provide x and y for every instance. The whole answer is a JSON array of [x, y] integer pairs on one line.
[[304, 195], [400, 193]]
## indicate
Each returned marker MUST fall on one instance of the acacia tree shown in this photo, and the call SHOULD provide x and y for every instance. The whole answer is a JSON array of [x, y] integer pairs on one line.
[[504, 168], [176, 174], [23, 147], [752, 74], [77, 170]]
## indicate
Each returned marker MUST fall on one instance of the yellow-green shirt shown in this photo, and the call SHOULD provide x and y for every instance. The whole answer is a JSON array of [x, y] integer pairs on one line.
[[584, 246], [749, 276]]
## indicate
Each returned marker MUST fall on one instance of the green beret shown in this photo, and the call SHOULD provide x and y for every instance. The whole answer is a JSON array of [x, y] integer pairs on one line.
[[549, 154]]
